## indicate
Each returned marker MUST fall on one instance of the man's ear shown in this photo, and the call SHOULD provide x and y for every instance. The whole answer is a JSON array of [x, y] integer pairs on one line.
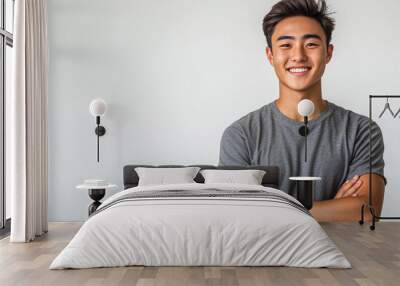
[[270, 57], [329, 53]]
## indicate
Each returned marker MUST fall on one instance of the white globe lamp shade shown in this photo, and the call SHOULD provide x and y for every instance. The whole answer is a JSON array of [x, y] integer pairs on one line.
[[98, 107], [305, 107]]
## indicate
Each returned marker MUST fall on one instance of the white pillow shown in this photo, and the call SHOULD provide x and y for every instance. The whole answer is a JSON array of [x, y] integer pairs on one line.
[[165, 176], [248, 177]]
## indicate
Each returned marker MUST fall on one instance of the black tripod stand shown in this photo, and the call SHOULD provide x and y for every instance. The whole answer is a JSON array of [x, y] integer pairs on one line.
[[369, 206]]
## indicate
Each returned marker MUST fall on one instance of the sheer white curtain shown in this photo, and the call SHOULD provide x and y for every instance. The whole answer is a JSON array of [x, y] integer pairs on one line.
[[28, 122]]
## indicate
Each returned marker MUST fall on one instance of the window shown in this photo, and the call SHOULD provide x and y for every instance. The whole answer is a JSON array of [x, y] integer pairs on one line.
[[6, 44]]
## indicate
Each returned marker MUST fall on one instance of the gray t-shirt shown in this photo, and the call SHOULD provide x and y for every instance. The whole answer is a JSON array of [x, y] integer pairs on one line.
[[338, 147]]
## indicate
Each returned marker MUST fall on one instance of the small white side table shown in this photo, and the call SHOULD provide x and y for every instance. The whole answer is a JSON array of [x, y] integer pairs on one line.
[[96, 193]]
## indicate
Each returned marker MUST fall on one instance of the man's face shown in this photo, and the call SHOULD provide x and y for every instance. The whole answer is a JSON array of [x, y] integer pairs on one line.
[[299, 52]]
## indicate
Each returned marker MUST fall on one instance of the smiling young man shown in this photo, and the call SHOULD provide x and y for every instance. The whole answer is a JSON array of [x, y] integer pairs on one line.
[[298, 34]]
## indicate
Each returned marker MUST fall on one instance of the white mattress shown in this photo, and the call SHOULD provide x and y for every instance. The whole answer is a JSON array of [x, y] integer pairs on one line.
[[200, 231]]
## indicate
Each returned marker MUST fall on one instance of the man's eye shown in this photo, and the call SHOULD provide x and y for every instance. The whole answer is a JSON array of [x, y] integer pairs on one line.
[[312, 45], [284, 46]]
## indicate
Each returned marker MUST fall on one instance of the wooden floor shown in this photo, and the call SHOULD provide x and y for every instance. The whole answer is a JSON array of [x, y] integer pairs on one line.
[[375, 257]]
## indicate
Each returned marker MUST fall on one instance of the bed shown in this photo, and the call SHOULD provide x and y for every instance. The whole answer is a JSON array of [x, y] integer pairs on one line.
[[201, 224]]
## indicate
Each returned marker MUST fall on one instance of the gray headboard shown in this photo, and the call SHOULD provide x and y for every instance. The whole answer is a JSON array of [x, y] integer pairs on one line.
[[271, 177]]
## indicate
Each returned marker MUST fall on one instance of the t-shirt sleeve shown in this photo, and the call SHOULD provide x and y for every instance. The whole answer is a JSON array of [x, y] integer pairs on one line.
[[360, 158], [234, 149]]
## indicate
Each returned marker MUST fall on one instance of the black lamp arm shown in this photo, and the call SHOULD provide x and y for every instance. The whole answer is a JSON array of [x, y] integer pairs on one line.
[[100, 131], [305, 137]]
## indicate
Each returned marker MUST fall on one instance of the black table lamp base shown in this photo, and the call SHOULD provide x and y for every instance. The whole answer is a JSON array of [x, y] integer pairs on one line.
[[305, 190], [96, 195], [305, 193]]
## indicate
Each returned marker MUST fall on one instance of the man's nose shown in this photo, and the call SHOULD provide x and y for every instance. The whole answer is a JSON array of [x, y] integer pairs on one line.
[[298, 54]]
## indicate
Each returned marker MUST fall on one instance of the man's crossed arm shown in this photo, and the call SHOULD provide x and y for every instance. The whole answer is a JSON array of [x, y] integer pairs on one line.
[[346, 206]]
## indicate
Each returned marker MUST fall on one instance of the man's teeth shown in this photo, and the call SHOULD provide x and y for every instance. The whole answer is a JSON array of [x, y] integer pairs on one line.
[[298, 70]]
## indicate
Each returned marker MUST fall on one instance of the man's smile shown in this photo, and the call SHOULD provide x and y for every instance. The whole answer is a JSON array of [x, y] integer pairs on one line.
[[299, 70]]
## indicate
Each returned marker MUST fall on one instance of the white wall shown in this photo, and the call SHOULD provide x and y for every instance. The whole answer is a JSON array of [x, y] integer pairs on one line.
[[176, 73]]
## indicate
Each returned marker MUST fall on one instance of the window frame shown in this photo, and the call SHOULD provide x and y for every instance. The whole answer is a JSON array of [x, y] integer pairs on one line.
[[6, 39]]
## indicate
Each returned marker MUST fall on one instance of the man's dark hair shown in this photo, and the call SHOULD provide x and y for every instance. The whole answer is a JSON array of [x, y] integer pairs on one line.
[[316, 9]]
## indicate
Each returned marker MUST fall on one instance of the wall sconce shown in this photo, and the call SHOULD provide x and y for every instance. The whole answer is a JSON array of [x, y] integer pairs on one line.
[[98, 108]]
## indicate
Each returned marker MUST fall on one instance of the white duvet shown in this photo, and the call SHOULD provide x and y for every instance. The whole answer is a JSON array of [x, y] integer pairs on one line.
[[200, 231]]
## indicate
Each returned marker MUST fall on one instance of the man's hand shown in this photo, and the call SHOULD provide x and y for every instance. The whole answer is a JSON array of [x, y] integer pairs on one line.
[[350, 188]]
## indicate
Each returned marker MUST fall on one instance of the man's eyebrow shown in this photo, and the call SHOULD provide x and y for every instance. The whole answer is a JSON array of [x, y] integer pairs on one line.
[[305, 37], [311, 36], [280, 38]]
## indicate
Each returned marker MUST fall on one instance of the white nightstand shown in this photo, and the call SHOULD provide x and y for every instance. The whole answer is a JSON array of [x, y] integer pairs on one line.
[[96, 193]]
